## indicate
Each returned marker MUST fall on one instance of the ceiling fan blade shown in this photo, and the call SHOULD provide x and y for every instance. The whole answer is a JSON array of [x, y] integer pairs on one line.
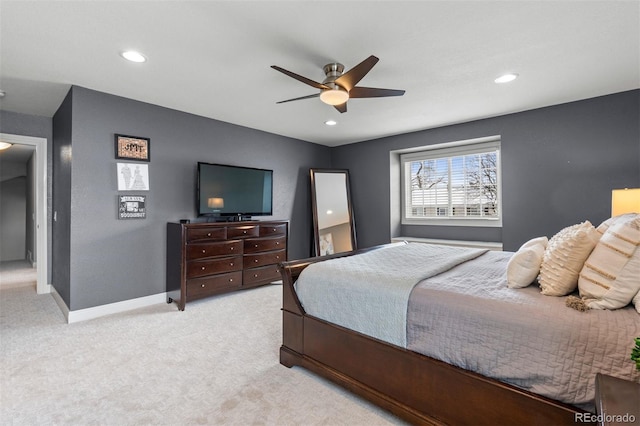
[[342, 107], [300, 98], [349, 79], [304, 80], [372, 92]]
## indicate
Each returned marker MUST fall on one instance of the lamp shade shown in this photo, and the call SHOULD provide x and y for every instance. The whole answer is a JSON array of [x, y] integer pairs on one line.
[[625, 201], [215, 203]]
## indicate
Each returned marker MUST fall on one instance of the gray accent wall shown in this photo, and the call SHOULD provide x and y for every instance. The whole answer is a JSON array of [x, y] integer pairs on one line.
[[61, 227], [559, 165], [113, 260]]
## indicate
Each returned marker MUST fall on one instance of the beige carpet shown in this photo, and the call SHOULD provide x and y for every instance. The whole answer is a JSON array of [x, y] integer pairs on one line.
[[17, 273], [216, 363]]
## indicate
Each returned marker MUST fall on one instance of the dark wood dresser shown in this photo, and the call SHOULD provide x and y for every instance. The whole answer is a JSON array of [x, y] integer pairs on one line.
[[204, 259]]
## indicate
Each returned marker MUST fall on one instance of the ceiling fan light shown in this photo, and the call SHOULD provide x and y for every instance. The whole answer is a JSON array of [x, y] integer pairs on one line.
[[334, 96]]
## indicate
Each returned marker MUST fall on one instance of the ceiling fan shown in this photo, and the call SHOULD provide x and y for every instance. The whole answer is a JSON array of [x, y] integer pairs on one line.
[[337, 87]]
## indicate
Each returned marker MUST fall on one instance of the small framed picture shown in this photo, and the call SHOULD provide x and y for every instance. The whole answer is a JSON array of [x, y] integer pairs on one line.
[[133, 177], [132, 148], [132, 206]]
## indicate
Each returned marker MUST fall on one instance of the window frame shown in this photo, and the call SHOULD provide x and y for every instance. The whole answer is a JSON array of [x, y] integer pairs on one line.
[[447, 150]]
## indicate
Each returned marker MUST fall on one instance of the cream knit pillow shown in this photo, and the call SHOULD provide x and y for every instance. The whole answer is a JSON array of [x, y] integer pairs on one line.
[[564, 257], [610, 277]]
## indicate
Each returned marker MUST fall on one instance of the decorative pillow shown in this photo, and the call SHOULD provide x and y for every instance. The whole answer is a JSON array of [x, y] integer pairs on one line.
[[610, 277], [524, 265], [602, 228], [564, 257]]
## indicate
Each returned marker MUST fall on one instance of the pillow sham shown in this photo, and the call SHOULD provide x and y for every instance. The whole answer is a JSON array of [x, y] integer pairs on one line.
[[524, 265], [602, 228], [610, 277], [564, 257]]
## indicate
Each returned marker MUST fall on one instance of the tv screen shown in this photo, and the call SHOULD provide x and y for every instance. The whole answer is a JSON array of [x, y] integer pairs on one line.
[[234, 191]]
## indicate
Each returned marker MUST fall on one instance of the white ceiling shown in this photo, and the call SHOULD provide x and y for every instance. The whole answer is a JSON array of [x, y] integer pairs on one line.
[[213, 58]]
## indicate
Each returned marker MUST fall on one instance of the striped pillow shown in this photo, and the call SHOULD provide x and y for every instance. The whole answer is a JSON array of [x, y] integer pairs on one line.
[[610, 277]]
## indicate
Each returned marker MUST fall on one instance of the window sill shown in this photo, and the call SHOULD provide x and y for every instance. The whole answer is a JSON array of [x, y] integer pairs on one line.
[[490, 223]]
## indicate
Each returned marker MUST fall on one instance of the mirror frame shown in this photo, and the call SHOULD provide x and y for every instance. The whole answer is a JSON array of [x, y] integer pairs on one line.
[[314, 208]]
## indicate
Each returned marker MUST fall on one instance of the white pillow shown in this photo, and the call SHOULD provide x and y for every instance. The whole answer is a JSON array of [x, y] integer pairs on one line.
[[539, 241], [610, 277], [524, 265], [564, 257]]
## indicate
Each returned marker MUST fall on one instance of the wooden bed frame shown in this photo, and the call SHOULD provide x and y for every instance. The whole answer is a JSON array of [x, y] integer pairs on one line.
[[415, 387]]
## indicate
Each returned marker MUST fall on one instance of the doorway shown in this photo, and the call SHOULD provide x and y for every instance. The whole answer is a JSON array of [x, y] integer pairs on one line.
[[40, 207]]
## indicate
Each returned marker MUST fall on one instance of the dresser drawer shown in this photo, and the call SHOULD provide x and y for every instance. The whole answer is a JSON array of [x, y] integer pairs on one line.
[[198, 234], [261, 275], [199, 268], [223, 248], [242, 231], [267, 258], [273, 230], [265, 244], [201, 287]]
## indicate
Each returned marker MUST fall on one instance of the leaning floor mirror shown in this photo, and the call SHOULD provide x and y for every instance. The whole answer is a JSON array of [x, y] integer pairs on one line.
[[333, 224]]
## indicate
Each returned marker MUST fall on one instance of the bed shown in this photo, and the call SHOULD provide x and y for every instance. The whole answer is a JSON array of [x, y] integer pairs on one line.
[[423, 377]]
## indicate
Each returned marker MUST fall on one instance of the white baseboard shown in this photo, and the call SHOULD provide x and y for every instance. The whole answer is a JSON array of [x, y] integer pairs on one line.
[[456, 243], [109, 309]]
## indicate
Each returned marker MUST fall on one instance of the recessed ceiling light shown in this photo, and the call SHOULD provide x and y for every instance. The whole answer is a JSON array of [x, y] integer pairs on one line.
[[506, 78], [4, 145], [133, 56], [329, 211], [2, 93], [330, 122]]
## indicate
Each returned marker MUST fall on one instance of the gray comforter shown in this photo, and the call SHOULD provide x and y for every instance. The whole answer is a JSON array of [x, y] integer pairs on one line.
[[469, 318], [466, 316], [344, 291]]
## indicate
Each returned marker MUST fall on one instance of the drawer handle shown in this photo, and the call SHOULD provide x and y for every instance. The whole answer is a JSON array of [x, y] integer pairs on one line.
[[244, 232], [204, 267], [256, 245], [255, 275], [230, 280], [255, 260], [231, 248], [277, 257], [231, 264], [274, 229], [277, 243], [204, 251], [208, 234], [202, 285]]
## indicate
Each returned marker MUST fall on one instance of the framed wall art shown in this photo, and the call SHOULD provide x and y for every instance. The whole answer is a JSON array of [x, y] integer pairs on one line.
[[132, 148], [133, 177], [132, 206]]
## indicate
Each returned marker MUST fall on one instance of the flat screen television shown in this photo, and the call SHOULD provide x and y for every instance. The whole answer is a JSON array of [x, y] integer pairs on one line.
[[224, 190]]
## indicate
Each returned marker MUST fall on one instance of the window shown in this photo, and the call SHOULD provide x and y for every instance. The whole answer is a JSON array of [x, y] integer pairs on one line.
[[453, 184]]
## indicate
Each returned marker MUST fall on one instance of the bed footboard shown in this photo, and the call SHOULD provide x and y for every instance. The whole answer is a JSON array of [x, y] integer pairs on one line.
[[420, 389]]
